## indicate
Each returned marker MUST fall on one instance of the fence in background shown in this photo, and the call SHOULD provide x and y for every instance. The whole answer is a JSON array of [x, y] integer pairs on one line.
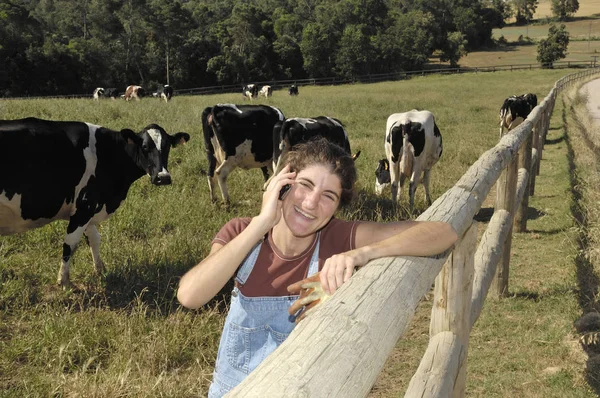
[[324, 81]]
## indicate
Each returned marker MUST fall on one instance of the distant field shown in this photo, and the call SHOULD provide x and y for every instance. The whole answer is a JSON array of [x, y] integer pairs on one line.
[[584, 27], [518, 55], [580, 29], [586, 7]]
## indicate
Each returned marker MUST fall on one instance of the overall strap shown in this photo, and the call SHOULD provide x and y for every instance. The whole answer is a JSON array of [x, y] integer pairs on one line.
[[313, 268], [244, 271]]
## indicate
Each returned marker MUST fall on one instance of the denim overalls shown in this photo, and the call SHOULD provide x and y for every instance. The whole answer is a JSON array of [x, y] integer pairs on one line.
[[254, 327]]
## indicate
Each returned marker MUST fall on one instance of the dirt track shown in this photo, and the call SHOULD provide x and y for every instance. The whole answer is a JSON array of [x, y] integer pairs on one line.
[[593, 104]]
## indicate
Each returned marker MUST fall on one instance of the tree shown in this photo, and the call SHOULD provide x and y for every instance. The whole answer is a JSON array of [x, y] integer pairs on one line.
[[456, 48], [563, 9], [554, 47], [524, 10], [352, 58]]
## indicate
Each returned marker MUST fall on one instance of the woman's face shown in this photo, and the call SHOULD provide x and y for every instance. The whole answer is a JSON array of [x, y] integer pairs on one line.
[[312, 200]]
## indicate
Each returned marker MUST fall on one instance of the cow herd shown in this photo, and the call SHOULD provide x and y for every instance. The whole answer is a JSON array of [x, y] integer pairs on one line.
[[97, 165], [132, 92]]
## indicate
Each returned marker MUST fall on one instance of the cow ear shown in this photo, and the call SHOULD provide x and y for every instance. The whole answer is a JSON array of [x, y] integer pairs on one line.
[[179, 138], [386, 165], [129, 136]]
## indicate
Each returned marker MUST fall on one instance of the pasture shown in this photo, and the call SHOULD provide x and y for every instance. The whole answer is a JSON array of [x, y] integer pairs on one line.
[[124, 334]]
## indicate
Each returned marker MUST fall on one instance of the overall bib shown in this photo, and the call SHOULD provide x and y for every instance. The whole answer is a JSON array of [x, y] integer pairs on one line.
[[254, 327]]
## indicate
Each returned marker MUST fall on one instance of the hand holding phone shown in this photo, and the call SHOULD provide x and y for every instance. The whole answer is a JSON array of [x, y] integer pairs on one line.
[[284, 191]]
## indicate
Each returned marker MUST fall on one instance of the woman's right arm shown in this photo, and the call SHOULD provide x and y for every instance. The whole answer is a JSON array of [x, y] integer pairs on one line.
[[204, 281]]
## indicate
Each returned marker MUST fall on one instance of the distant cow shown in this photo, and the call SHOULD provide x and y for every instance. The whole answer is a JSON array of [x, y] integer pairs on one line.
[[111, 92], [250, 91], [413, 144], [132, 92], [98, 92], [515, 110], [74, 171], [266, 91], [238, 136], [165, 92], [296, 130], [293, 90]]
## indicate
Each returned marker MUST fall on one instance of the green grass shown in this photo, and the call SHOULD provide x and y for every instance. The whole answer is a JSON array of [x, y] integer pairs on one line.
[[124, 334]]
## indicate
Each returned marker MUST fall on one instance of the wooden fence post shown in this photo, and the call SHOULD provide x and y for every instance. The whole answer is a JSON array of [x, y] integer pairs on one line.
[[505, 199], [451, 311], [525, 163]]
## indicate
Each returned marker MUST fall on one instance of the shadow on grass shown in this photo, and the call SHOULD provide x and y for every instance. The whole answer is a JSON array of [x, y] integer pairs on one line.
[[555, 141], [485, 214], [587, 279]]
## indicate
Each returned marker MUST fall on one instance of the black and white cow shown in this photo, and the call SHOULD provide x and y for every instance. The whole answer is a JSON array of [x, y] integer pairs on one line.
[[413, 144], [165, 92], [382, 176], [515, 110], [238, 136], [266, 91], [98, 93], [296, 130], [250, 91], [111, 92], [74, 171], [293, 90]]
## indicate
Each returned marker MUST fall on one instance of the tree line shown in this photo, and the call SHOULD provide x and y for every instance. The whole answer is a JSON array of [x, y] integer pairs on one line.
[[53, 47]]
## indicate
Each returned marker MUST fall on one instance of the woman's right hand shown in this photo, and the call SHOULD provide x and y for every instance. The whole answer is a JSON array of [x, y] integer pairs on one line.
[[270, 212]]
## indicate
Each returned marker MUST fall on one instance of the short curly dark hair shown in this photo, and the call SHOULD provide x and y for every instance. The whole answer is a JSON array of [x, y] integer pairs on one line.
[[321, 151]]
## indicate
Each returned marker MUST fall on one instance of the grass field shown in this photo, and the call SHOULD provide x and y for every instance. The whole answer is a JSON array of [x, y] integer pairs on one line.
[[125, 335]]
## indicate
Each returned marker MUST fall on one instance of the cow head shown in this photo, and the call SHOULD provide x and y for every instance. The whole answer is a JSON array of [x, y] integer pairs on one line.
[[382, 176], [153, 144]]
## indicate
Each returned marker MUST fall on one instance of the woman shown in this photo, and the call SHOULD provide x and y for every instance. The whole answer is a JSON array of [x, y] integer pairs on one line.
[[293, 237]]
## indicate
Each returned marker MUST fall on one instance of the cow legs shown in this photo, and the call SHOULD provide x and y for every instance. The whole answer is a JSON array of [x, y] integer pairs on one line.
[[414, 183], [395, 176], [426, 185], [212, 164], [94, 240], [222, 172], [74, 234]]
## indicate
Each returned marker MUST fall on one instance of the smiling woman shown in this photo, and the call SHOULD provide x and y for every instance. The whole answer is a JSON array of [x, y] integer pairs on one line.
[[293, 238]]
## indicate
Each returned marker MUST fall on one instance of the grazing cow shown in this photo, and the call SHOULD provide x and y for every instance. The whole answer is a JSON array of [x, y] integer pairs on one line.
[[238, 136], [165, 92], [515, 110], [266, 91], [250, 91], [293, 90], [413, 144], [296, 130], [111, 92], [382, 176], [74, 171], [132, 92], [98, 92]]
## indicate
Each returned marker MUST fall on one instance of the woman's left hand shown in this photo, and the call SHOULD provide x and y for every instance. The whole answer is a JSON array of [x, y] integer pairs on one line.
[[339, 268]]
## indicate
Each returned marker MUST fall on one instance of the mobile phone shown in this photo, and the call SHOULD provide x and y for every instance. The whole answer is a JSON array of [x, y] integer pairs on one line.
[[284, 191]]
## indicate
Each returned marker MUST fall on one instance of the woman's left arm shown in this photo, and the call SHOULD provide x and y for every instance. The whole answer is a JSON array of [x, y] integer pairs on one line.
[[376, 240]]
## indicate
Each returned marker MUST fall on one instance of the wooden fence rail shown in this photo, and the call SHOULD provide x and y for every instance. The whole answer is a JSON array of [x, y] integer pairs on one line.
[[340, 349]]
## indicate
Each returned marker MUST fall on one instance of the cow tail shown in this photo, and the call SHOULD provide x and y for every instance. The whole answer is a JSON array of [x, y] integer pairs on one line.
[[210, 150]]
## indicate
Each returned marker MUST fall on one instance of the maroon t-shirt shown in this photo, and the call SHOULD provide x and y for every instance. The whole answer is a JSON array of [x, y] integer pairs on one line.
[[274, 272]]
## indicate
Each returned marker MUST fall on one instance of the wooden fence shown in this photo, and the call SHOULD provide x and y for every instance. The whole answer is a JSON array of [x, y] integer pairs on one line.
[[339, 350]]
